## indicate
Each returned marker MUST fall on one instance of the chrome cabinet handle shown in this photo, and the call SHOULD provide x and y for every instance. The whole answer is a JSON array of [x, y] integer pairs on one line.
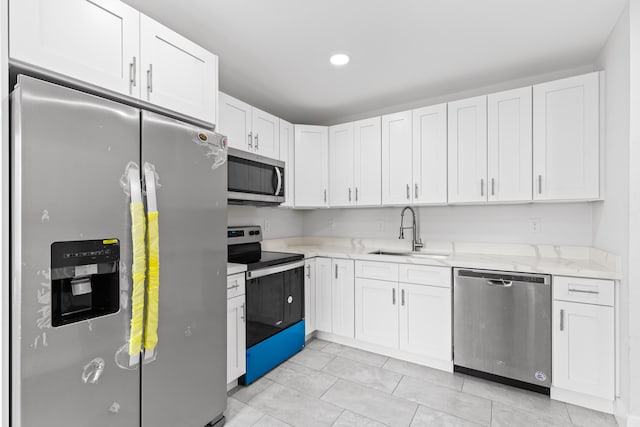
[[584, 291], [356, 194], [493, 187], [562, 320], [482, 186], [325, 195], [236, 286], [150, 79], [336, 271], [503, 283], [132, 72], [408, 194], [416, 190], [257, 140], [402, 298], [539, 184], [393, 296], [309, 271], [243, 314], [250, 144], [279, 175], [349, 194]]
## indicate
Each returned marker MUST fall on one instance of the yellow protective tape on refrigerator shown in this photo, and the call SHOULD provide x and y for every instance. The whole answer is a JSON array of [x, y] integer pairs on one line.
[[153, 286], [138, 275]]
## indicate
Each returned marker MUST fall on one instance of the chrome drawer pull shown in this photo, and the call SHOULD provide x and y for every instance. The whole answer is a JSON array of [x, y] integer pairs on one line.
[[584, 291]]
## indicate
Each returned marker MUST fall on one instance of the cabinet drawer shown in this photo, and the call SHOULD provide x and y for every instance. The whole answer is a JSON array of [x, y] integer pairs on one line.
[[425, 275], [377, 270], [235, 285], [590, 291]]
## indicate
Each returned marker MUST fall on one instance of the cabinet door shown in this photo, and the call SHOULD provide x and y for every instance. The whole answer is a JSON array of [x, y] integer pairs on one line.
[[94, 41], [566, 139], [341, 162], [323, 294], [342, 297], [368, 162], [178, 74], [235, 122], [312, 166], [510, 146], [425, 320], [430, 155], [236, 338], [396, 158], [287, 156], [376, 312], [583, 348], [309, 296], [467, 150], [266, 134]]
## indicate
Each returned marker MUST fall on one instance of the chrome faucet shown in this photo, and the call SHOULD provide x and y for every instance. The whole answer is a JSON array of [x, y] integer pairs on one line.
[[416, 243]]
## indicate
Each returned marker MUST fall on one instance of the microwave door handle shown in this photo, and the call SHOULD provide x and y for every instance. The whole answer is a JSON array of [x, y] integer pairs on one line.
[[279, 175]]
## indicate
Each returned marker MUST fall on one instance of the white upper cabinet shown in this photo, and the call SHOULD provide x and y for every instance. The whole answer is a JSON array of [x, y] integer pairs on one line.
[[430, 155], [311, 166], [266, 133], [467, 150], [287, 156], [93, 41], [235, 122], [510, 146], [397, 158], [341, 165], [368, 152], [566, 139], [178, 74]]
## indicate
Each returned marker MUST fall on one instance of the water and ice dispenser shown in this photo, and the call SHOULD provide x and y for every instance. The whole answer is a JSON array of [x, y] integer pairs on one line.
[[85, 280]]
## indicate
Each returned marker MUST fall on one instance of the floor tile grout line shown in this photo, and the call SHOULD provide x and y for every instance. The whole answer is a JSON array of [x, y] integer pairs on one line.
[[336, 420], [413, 417], [396, 387]]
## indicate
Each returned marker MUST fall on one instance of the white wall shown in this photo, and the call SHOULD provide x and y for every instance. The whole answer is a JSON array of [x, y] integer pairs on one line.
[[276, 222], [611, 217], [565, 224]]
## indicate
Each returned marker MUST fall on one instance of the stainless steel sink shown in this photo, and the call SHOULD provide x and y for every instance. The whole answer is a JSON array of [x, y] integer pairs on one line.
[[412, 254]]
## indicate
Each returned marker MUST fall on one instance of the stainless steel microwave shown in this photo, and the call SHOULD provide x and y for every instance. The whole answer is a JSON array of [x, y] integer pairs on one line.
[[254, 180]]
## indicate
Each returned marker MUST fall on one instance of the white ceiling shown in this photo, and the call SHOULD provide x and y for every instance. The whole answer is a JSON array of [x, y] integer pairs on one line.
[[274, 54]]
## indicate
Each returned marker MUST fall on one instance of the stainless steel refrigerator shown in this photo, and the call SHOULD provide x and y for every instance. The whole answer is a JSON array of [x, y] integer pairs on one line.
[[77, 162]]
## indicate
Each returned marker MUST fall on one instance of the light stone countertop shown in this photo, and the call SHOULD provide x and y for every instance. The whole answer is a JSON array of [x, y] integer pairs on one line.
[[575, 261], [235, 268]]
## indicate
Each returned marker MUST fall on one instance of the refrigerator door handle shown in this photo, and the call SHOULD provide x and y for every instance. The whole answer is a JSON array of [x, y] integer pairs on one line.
[[138, 267], [153, 270]]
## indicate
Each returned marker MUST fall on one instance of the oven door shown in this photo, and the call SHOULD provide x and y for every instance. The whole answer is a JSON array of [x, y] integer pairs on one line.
[[275, 300], [254, 179]]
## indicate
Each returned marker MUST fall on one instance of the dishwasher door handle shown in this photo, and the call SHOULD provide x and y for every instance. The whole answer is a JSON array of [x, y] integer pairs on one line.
[[502, 283]]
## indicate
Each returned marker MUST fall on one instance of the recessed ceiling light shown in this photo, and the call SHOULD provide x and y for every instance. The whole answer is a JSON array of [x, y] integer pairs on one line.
[[339, 59]]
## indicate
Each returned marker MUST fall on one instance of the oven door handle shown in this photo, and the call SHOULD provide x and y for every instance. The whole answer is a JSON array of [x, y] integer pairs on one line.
[[279, 175], [273, 270]]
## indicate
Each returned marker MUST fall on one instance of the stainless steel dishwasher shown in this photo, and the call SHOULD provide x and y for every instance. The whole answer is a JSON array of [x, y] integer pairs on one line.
[[502, 327]]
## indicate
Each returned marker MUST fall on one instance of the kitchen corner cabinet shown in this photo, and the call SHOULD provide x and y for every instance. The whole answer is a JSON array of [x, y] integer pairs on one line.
[[396, 158], [510, 146], [467, 150], [311, 166], [430, 155], [94, 41], [309, 296], [323, 294], [248, 128], [287, 156], [566, 139], [236, 338], [111, 45]]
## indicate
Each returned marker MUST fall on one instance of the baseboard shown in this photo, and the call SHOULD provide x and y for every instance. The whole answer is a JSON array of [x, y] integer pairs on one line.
[[620, 412], [631, 421], [443, 365], [233, 384], [579, 399]]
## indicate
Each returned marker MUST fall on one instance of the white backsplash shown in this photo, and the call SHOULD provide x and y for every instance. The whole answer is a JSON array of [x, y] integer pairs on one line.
[[280, 222]]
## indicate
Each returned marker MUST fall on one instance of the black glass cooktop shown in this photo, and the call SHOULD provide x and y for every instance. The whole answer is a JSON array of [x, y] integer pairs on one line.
[[256, 260]]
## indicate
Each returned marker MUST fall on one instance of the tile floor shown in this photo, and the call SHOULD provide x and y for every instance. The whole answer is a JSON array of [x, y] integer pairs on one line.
[[328, 384]]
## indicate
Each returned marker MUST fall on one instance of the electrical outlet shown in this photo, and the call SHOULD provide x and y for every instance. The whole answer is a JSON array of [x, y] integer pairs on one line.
[[535, 225], [380, 226], [267, 225]]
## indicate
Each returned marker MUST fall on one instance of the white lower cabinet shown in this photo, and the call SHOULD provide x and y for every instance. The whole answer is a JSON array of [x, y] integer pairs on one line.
[[583, 349], [309, 296], [425, 320], [323, 294], [342, 297], [376, 312], [236, 338]]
